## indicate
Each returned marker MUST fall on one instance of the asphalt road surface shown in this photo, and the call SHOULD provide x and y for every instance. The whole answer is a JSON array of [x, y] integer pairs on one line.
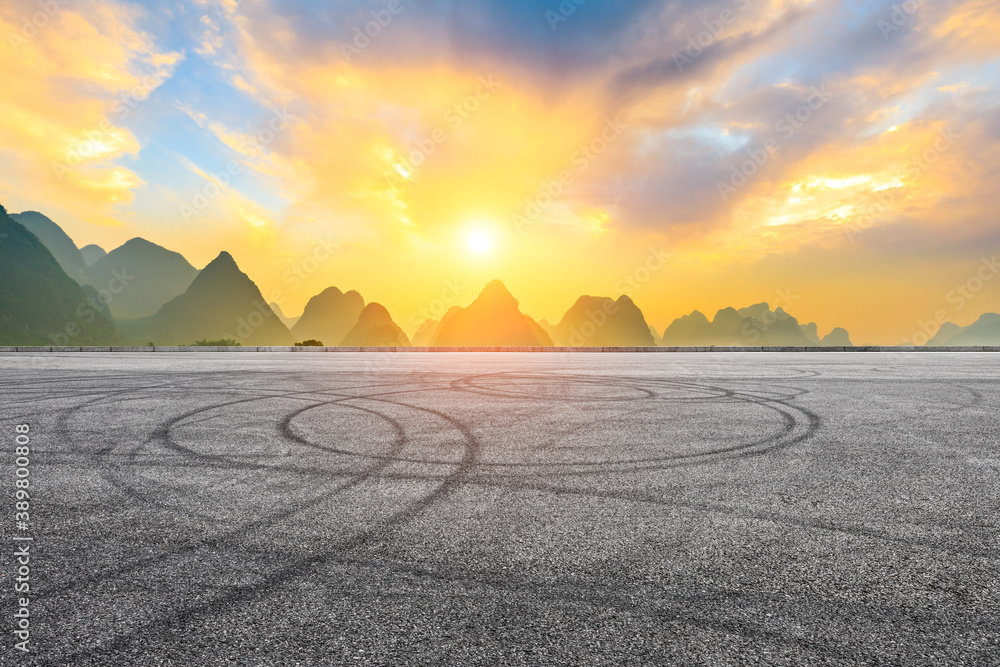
[[494, 509]]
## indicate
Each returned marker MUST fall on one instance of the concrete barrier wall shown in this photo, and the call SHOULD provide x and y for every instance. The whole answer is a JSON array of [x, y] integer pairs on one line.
[[581, 350]]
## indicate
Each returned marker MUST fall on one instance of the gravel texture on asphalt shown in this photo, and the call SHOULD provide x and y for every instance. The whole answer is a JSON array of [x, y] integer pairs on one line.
[[478, 509]]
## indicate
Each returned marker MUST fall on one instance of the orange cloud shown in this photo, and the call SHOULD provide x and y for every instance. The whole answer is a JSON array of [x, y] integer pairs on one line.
[[70, 81]]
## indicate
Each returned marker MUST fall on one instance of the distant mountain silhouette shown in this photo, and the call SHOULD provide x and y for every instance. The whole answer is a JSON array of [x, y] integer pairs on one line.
[[140, 277], [92, 253], [39, 303], [756, 325], [603, 322], [837, 338], [329, 316], [375, 328], [689, 330], [425, 334], [548, 328], [59, 244], [984, 331], [657, 338], [221, 303], [494, 319], [287, 321], [947, 331], [775, 328]]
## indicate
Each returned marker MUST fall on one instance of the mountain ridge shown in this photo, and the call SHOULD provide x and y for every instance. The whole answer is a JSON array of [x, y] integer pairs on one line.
[[58, 242], [493, 319], [221, 303], [603, 322], [40, 304], [140, 277], [984, 331], [329, 316], [755, 325], [375, 328]]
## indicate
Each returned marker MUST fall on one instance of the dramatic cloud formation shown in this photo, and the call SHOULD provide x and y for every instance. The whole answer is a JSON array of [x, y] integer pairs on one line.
[[840, 150]]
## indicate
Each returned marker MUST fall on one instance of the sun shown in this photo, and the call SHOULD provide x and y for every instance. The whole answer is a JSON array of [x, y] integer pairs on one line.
[[480, 242]]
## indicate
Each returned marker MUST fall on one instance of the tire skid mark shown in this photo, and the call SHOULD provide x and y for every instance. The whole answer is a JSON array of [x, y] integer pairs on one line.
[[222, 539], [245, 593]]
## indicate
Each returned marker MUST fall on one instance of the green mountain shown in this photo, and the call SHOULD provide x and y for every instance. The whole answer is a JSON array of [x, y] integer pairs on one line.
[[92, 253], [688, 330], [39, 303], [138, 278], [59, 244], [329, 316], [375, 328], [221, 303], [755, 325], [759, 325], [837, 338], [984, 331], [603, 322], [494, 319]]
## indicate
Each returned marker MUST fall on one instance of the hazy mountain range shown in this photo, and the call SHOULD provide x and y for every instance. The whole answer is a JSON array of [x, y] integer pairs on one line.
[[39, 303], [54, 293], [375, 328], [329, 316], [140, 277], [58, 243], [222, 303], [92, 253], [985, 331], [755, 325], [603, 322]]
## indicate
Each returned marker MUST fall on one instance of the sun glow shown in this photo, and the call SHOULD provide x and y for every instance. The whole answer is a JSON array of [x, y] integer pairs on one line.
[[480, 242]]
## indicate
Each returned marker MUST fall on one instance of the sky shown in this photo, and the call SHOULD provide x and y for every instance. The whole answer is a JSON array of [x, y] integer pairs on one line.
[[835, 158]]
